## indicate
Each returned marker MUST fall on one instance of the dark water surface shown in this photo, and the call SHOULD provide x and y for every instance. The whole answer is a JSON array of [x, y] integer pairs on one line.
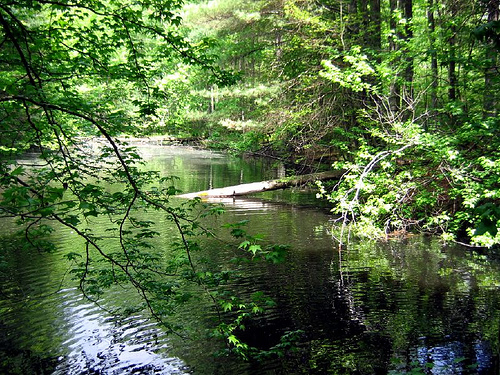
[[414, 305]]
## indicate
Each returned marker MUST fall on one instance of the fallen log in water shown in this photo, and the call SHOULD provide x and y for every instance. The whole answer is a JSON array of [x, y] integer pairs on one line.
[[257, 187]]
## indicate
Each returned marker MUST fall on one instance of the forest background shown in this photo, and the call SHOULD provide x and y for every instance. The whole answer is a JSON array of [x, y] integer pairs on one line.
[[402, 95]]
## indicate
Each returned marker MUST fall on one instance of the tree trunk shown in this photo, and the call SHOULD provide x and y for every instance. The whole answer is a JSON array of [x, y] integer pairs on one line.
[[452, 65], [490, 94], [405, 35], [364, 17], [434, 63], [407, 8], [257, 187], [211, 109], [353, 12], [452, 72], [375, 25], [395, 97]]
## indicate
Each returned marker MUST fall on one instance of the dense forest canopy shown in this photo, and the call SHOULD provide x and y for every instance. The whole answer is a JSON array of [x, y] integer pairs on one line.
[[402, 95]]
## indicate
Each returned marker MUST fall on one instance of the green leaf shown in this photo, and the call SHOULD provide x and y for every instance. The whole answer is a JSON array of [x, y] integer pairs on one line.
[[72, 255], [238, 232], [227, 306], [254, 249], [244, 245], [233, 339], [17, 172], [46, 211], [72, 220]]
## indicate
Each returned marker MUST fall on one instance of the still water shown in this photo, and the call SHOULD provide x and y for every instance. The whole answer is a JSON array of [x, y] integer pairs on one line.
[[374, 308]]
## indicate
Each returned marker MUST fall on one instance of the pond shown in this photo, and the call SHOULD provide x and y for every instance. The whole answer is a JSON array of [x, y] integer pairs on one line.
[[374, 308]]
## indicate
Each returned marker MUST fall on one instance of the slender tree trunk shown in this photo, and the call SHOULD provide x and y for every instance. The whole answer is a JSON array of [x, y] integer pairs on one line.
[[407, 8], [452, 65], [353, 12], [393, 4], [401, 87], [490, 94], [212, 100], [364, 17], [406, 35], [278, 42], [375, 25], [434, 62], [452, 71], [395, 96]]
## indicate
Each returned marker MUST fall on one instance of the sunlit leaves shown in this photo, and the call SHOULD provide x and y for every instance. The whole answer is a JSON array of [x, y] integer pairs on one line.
[[355, 75]]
